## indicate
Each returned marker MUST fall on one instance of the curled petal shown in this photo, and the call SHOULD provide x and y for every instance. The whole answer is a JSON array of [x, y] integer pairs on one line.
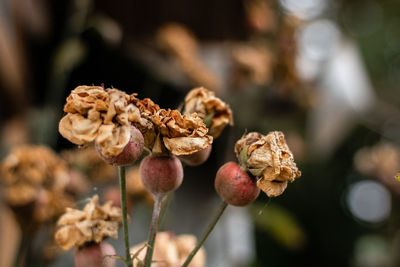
[[272, 188], [112, 139], [187, 145], [84, 98], [78, 129]]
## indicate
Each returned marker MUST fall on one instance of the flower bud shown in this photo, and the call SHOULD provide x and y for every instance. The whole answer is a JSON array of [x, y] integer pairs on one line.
[[197, 158], [131, 151], [95, 255], [235, 186], [161, 174]]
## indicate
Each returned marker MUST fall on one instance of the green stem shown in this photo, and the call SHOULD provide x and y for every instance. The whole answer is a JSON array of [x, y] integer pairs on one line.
[[206, 233], [153, 229], [122, 186]]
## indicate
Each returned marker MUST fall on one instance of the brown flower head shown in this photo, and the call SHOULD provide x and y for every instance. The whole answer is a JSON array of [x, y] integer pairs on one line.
[[171, 251], [181, 134], [216, 113], [27, 168], [268, 157], [35, 174], [93, 224], [100, 115]]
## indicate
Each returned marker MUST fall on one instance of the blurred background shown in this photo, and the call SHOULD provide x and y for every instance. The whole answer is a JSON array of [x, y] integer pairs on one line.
[[324, 72]]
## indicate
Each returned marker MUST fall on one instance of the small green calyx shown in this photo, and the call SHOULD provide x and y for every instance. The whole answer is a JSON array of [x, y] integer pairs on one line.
[[208, 119]]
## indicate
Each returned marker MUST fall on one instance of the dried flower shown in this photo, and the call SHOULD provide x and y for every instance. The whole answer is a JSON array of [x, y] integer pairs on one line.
[[171, 251], [181, 134], [93, 224], [99, 115], [269, 158], [27, 168], [207, 106]]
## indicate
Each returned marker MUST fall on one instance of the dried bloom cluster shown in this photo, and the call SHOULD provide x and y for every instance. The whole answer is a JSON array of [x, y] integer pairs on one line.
[[99, 115], [204, 102], [93, 224], [181, 134], [34, 174], [268, 157], [172, 251], [382, 161], [87, 161]]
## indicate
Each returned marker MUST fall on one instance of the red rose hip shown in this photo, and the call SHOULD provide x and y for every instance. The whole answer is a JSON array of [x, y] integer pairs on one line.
[[95, 255], [161, 175], [131, 151], [235, 186]]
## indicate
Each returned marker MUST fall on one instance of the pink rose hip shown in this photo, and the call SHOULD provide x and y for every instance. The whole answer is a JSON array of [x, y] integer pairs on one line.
[[131, 152], [235, 186], [161, 175], [95, 255]]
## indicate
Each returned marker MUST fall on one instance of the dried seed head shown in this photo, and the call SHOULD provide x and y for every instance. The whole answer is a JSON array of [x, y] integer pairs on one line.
[[269, 158]]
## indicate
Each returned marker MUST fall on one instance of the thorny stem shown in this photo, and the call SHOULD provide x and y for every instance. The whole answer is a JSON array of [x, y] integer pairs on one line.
[[153, 229], [122, 185], [206, 233]]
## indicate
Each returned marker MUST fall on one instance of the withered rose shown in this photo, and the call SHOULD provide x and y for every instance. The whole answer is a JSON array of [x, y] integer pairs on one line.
[[27, 169], [104, 116], [36, 175], [171, 251], [181, 134], [268, 157], [93, 224], [207, 106]]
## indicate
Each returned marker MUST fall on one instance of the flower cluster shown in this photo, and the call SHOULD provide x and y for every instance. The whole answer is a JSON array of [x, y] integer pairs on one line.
[[93, 224], [35, 174], [171, 251], [99, 115], [268, 157], [209, 107]]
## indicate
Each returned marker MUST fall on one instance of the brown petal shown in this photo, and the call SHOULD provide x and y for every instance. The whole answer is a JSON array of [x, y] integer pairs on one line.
[[187, 145]]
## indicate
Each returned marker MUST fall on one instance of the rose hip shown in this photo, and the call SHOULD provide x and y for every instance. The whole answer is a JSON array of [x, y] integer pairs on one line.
[[161, 174], [131, 152], [235, 186], [95, 255]]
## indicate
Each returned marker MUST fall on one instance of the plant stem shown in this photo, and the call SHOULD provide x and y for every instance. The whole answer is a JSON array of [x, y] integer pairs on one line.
[[153, 229], [206, 233], [122, 186]]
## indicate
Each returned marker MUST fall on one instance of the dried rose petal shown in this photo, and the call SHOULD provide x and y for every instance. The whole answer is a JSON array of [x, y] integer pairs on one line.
[[93, 224], [204, 102], [171, 251], [269, 158], [182, 134]]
